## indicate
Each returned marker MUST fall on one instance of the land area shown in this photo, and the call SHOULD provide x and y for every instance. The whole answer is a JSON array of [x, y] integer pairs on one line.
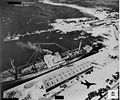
[[64, 24], [93, 3], [28, 19], [40, 14]]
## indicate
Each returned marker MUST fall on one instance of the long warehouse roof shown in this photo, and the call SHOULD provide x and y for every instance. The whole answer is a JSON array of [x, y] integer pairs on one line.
[[55, 79]]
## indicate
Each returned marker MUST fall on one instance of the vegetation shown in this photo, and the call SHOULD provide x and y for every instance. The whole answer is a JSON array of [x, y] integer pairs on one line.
[[100, 92], [115, 77], [93, 3]]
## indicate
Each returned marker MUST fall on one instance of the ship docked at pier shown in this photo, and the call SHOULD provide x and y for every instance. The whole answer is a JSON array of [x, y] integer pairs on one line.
[[48, 63]]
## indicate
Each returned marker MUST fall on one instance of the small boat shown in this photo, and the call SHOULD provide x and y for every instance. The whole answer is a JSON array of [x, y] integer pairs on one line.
[[11, 38]]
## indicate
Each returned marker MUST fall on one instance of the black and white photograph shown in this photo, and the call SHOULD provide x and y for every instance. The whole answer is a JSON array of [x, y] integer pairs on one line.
[[59, 49]]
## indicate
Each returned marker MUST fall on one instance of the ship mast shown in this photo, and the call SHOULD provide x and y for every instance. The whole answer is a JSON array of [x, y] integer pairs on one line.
[[81, 37], [34, 55], [14, 72], [80, 46], [11, 62]]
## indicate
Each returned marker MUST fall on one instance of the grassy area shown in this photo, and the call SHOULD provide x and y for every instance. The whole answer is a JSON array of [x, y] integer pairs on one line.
[[93, 3]]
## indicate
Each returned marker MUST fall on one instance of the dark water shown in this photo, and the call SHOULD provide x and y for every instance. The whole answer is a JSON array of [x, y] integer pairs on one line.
[[38, 13], [21, 53]]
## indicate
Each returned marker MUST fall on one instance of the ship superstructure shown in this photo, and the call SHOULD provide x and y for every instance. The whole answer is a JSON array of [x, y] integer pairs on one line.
[[50, 63], [53, 81]]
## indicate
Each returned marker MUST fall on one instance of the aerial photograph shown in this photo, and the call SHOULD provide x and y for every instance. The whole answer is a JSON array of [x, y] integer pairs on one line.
[[59, 49]]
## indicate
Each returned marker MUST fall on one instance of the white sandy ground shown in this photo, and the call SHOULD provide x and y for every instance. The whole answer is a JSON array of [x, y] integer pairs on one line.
[[76, 91], [79, 92], [65, 27], [98, 76], [68, 27]]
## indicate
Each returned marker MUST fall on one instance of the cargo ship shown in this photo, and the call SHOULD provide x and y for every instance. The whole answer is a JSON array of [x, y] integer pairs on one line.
[[52, 61]]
